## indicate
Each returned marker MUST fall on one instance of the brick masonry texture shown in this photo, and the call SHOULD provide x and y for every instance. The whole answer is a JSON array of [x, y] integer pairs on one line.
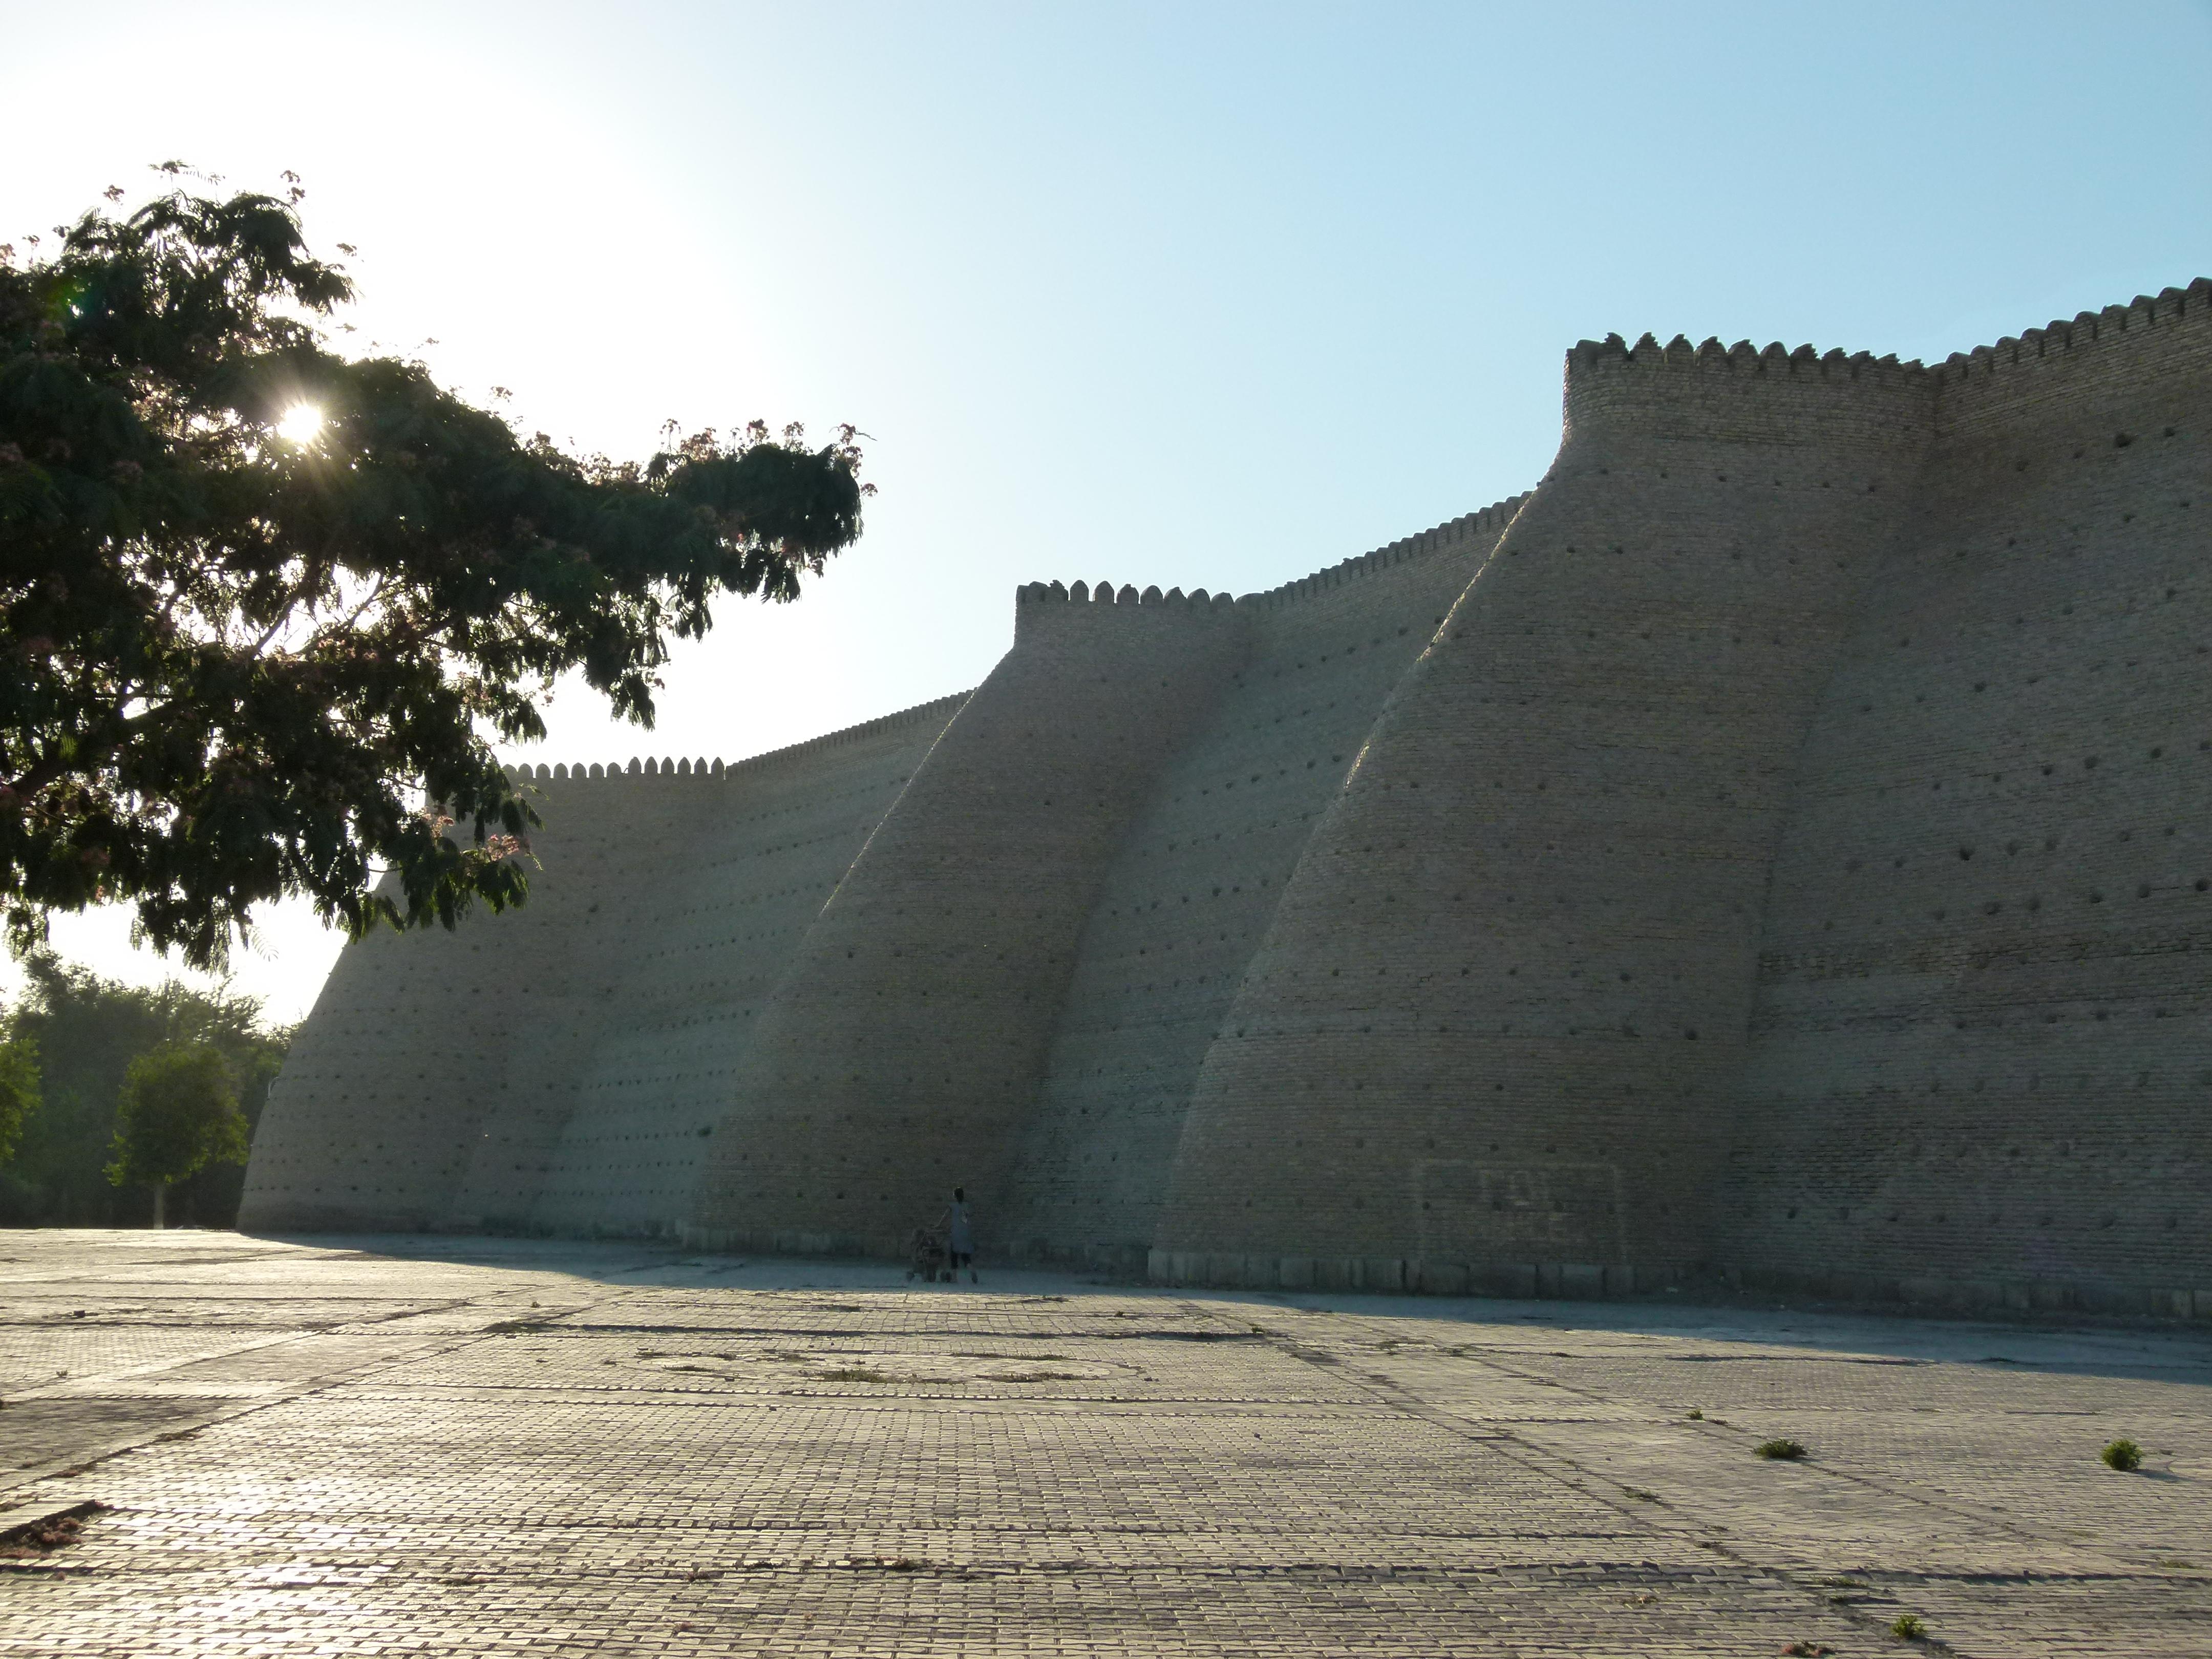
[[495, 1447], [1777, 845]]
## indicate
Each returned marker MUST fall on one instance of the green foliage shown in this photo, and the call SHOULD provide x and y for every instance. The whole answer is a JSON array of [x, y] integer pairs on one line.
[[2123, 1455], [1907, 1628], [236, 665], [176, 1114], [18, 1091], [1786, 1449], [86, 1032]]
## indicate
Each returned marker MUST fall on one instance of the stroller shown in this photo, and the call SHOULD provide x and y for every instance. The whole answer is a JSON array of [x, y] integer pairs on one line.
[[929, 1261]]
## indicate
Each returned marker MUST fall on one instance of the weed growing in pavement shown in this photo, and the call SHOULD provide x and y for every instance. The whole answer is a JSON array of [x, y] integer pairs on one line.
[[2121, 1454], [1907, 1628], [30, 1539], [1696, 1416], [1787, 1450]]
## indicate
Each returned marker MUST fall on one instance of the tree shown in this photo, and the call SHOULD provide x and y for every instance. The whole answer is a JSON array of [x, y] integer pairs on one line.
[[86, 1031], [262, 606], [18, 1091], [176, 1114]]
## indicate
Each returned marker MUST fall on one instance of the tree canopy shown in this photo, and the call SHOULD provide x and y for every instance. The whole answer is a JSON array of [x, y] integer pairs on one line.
[[85, 1031], [176, 1114], [265, 606], [18, 1091]]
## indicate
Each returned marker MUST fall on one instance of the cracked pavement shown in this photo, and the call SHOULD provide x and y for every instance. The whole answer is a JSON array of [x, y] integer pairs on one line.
[[433, 1444]]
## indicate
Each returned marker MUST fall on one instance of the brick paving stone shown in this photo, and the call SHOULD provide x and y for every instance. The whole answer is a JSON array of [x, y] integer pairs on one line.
[[500, 1447]]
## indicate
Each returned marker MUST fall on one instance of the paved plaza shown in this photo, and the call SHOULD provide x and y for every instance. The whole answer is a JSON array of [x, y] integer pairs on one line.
[[433, 1445]]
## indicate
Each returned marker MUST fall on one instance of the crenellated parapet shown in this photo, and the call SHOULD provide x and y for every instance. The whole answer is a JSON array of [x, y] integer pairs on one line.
[[1471, 533], [2150, 353], [1050, 613], [1774, 361], [939, 709], [1106, 593], [2171, 307], [1678, 393]]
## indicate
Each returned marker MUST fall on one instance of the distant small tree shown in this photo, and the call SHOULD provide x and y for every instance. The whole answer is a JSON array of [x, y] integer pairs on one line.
[[86, 1031], [18, 1091], [178, 1112]]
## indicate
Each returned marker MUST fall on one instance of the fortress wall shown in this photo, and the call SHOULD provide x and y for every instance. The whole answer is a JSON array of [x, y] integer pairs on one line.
[[360, 1132], [375, 1119], [1982, 1058], [1494, 1026], [435, 1082], [1190, 893], [602, 843], [901, 1056], [1785, 842], [729, 884]]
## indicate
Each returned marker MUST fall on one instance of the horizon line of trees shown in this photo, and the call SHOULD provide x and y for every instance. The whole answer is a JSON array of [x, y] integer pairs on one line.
[[124, 1106]]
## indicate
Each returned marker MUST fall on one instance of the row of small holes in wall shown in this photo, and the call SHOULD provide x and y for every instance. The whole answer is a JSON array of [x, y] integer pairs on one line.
[[768, 896], [2042, 769], [1878, 1216], [1234, 891], [1255, 777], [2033, 903], [810, 799], [1404, 629], [819, 803], [1151, 987], [2012, 849], [1233, 835], [2056, 676], [1625, 1028]]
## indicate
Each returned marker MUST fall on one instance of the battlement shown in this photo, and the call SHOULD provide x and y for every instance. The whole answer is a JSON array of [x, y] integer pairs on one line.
[[2171, 307], [2154, 350], [941, 709], [1107, 593], [1484, 524], [1803, 363], [1049, 610], [1715, 393]]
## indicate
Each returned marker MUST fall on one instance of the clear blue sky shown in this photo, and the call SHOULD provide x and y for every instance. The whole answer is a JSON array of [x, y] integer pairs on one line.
[[1192, 295]]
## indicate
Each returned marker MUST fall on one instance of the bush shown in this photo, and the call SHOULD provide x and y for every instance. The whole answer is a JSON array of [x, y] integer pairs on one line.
[[2121, 1454], [1907, 1628], [1787, 1450], [85, 1032], [176, 1114]]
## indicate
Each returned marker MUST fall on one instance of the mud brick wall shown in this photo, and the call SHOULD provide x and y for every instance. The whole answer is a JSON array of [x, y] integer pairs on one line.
[[1777, 845], [901, 1057], [1194, 887], [1507, 993], [1981, 1064], [556, 1067]]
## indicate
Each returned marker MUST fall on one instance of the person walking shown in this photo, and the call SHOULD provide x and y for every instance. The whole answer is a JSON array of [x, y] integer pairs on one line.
[[960, 1241]]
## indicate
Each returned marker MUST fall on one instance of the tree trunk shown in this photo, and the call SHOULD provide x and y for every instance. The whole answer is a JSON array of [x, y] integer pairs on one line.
[[161, 1194]]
